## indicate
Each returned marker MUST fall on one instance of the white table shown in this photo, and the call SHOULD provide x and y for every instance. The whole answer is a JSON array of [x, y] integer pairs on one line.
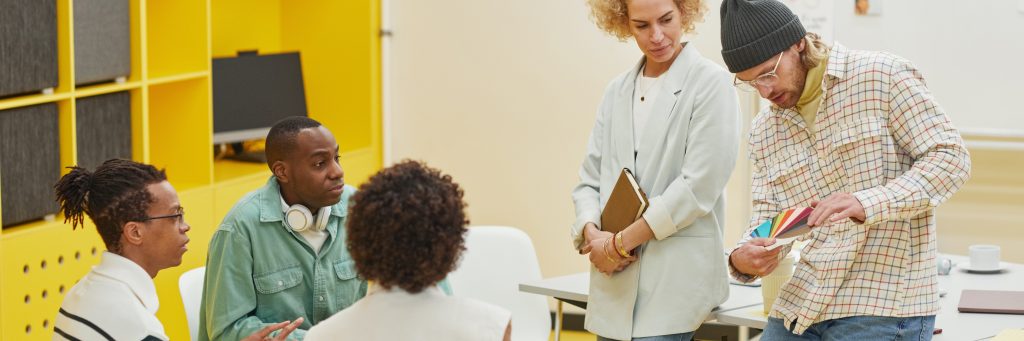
[[575, 289], [955, 325]]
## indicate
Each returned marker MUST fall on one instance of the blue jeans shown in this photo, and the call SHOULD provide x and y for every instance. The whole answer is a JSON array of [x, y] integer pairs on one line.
[[856, 328], [671, 337]]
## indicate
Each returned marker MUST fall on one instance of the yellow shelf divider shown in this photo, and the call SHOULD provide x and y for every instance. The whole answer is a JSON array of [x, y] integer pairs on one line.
[[100, 89], [66, 123], [24, 101], [65, 48], [140, 97], [178, 78]]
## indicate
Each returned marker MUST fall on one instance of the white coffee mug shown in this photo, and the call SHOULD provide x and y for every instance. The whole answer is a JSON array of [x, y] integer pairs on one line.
[[984, 257]]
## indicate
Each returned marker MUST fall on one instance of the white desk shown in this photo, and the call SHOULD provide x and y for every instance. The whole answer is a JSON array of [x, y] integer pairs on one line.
[[955, 325], [575, 289]]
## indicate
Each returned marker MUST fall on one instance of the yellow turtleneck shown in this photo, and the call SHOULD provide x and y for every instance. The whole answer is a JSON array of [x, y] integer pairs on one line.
[[809, 100]]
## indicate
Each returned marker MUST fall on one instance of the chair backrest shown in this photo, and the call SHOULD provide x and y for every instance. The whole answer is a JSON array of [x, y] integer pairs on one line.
[[496, 260], [191, 286]]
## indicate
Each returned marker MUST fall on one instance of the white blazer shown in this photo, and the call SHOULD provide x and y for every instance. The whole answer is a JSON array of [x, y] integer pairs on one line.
[[687, 152]]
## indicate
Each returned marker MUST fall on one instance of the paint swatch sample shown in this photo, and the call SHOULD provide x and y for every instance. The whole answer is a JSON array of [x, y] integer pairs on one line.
[[784, 227]]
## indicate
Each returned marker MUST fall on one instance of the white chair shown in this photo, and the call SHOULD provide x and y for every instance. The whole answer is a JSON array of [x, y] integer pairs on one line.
[[496, 260], [191, 286]]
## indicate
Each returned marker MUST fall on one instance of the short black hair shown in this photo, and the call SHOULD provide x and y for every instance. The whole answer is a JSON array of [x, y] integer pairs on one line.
[[406, 227], [111, 196], [282, 136]]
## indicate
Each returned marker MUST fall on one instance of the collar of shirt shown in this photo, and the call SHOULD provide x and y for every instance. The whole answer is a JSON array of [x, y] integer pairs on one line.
[[374, 288], [131, 274], [835, 70]]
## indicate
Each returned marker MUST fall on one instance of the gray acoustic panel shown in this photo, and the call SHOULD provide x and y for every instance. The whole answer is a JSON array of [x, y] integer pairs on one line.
[[29, 162], [28, 46], [102, 40], [104, 128]]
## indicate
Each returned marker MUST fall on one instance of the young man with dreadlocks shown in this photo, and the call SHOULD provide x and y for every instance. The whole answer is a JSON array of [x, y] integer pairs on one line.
[[142, 223]]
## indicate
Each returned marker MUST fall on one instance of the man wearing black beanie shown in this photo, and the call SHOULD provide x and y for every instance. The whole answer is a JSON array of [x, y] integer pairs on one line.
[[859, 137]]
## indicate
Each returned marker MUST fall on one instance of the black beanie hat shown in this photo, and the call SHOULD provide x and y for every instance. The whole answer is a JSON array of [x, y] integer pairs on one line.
[[755, 30]]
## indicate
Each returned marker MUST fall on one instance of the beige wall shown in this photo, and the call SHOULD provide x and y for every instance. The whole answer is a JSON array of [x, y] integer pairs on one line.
[[502, 95], [990, 207]]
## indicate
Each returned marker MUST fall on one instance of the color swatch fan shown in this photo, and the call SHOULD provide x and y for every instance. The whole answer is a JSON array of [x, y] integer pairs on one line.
[[785, 227]]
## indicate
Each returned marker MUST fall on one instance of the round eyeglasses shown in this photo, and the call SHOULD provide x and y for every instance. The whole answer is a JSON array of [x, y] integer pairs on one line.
[[766, 80], [179, 217]]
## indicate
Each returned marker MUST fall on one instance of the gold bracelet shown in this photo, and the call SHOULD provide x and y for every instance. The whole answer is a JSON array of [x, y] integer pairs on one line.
[[620, 247], [608, 254]]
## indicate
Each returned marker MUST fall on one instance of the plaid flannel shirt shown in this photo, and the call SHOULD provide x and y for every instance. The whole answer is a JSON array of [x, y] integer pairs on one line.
[[883, 138]]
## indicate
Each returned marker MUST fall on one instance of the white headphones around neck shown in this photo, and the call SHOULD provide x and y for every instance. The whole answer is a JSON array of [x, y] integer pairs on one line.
[[300, 219]]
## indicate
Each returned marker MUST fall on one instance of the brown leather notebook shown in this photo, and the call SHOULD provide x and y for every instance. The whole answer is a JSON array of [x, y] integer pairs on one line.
[[991, 301], [625, 205]]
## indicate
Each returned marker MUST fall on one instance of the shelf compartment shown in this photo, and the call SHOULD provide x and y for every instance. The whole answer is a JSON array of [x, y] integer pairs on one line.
[[180, 131], [177, 37]]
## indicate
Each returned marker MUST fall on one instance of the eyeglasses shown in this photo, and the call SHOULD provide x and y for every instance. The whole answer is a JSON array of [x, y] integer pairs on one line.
[[766, 80], [179, 218]]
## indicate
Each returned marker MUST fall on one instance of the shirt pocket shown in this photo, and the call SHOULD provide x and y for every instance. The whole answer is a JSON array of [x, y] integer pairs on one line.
[[789, 178], [350, 287], [860, 147], [278, 281]]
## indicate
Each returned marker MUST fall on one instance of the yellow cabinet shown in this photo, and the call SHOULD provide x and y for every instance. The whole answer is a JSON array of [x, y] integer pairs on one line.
[[172, 43]]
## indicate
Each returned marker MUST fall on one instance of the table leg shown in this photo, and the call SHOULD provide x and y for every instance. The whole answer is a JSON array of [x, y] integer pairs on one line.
[[744, 333], [558, 322]]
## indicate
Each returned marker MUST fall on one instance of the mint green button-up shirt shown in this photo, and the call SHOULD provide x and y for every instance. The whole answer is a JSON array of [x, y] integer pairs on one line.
[[260, 272]]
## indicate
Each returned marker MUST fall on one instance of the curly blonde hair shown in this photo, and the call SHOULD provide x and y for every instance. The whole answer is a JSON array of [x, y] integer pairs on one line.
[[613, 17]]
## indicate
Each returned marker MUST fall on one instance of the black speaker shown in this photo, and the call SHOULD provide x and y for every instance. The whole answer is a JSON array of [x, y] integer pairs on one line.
[[29, 162], [104, 128], [102, 40], [28, 46]]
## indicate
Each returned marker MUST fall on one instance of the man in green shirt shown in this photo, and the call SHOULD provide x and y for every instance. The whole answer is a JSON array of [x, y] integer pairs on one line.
[[280, 253]]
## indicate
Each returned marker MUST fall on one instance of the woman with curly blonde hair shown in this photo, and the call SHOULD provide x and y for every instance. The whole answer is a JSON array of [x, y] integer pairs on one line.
[[672, 120]]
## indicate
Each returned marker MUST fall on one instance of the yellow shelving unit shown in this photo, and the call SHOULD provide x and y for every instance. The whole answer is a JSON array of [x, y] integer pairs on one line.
[[172, 43]]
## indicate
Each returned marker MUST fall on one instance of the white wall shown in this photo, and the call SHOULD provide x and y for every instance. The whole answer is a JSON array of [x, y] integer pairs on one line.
[[968, 51]]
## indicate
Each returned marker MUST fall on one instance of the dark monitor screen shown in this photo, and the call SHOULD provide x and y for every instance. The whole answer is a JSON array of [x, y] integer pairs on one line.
[[252, 92]]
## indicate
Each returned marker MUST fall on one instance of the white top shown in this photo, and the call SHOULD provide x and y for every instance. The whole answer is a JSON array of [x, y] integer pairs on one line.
[[315, 238], [116, 300], [646, 90], [429, 315]]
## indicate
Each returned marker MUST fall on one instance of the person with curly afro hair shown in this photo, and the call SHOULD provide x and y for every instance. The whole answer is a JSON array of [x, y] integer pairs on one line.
[[406, 230], [673, 120], [140, 219]]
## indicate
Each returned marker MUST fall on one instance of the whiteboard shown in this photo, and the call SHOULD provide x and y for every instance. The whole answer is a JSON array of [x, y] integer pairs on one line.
[[970, 53]]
